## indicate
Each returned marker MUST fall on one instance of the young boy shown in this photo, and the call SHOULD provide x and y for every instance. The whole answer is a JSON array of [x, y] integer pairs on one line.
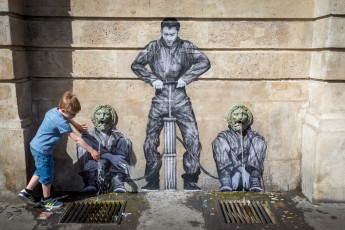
[[54, 125]]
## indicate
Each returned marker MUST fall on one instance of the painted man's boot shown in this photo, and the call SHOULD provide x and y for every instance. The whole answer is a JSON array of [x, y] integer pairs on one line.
[[117, 183], [225, 181], [190, 183], [152, 184], [152, 170], [90, 181], [255, 182]]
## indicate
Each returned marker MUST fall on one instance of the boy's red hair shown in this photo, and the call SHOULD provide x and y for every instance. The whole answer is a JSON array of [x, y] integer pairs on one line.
[[69, 102]]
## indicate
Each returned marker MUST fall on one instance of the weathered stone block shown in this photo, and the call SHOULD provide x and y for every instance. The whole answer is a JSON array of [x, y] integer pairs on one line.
[[334, 98], [5, 32], [309, 140], [285, 127], [205, 34], [327, 97], [316, 91], [192, 8], [11, 31], [11, 181], [329, 168], [52, 64], [15, 105], [6, 67], [20, 67], [248, 91], [3, 5], [258, 65], [329, 33], [323, 153], [287, 91], [17, 28], [323, 8], [328, 65], [12, 161], [282, 175], [336, 36], [117, 64]]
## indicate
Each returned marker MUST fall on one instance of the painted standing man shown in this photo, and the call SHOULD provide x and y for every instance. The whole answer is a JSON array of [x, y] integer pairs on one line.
[[171, 59]]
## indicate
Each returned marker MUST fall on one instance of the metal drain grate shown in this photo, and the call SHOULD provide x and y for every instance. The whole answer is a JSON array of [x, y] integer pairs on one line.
[[94, 212], [250, 212]]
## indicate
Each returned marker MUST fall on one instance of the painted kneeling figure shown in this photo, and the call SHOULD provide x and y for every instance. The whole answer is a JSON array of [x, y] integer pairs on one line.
[[239, 153], [115, 150]]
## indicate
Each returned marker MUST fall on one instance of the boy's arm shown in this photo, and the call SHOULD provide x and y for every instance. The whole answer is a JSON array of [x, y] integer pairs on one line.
[[80, 127], [95, 155]]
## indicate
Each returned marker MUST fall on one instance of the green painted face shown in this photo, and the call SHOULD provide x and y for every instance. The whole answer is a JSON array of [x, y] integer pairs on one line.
[[238, 119], [103, 116]]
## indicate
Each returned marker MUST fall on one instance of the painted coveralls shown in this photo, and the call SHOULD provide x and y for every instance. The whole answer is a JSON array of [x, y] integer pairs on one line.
[[227, 154], [115, 152], [182, 60]]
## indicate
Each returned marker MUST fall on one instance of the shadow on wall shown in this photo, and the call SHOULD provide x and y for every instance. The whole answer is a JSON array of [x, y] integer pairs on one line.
[[48, 37]]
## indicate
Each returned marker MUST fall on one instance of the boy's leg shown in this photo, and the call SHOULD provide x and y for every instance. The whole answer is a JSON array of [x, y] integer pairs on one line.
[[46, 190], [26, 194], [47, 201], [33, 182]]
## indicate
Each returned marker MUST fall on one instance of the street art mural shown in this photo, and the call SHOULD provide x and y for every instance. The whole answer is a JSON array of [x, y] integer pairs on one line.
[[239, 153], [174, 63], [110, 172]]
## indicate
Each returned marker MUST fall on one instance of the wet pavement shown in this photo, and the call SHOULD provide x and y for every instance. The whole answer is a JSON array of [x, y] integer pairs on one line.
[[179, 210]]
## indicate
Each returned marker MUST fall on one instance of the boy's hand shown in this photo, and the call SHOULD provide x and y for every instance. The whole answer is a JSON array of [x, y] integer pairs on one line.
[[81, 127], [95, 155]]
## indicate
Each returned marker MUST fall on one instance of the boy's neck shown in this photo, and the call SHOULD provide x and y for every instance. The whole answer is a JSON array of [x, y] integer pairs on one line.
[[66, 115]]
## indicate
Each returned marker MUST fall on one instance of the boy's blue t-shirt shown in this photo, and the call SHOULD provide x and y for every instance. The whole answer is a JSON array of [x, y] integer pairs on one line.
[[53, 126]]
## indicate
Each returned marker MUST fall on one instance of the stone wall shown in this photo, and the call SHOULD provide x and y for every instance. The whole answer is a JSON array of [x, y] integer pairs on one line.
[[15, 99], [280, 58], [323, 149]]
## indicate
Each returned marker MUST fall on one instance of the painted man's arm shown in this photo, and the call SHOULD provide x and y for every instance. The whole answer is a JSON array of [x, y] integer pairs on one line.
[[138, 66], [200, 65]]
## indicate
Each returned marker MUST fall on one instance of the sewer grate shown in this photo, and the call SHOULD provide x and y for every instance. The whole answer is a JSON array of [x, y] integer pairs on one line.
[[248, 212], [94, 212]]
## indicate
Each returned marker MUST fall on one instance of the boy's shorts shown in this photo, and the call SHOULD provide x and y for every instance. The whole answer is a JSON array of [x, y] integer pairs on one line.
[[44, 166]]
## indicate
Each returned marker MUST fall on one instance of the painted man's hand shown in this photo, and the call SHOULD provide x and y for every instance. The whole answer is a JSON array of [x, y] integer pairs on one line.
[[157, 84], [95, 155], [181, 83]]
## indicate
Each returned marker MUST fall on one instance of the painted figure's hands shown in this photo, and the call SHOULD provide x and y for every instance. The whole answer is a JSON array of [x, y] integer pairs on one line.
[[157, 84], [95, 155], [245, 175], [181, 83]]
